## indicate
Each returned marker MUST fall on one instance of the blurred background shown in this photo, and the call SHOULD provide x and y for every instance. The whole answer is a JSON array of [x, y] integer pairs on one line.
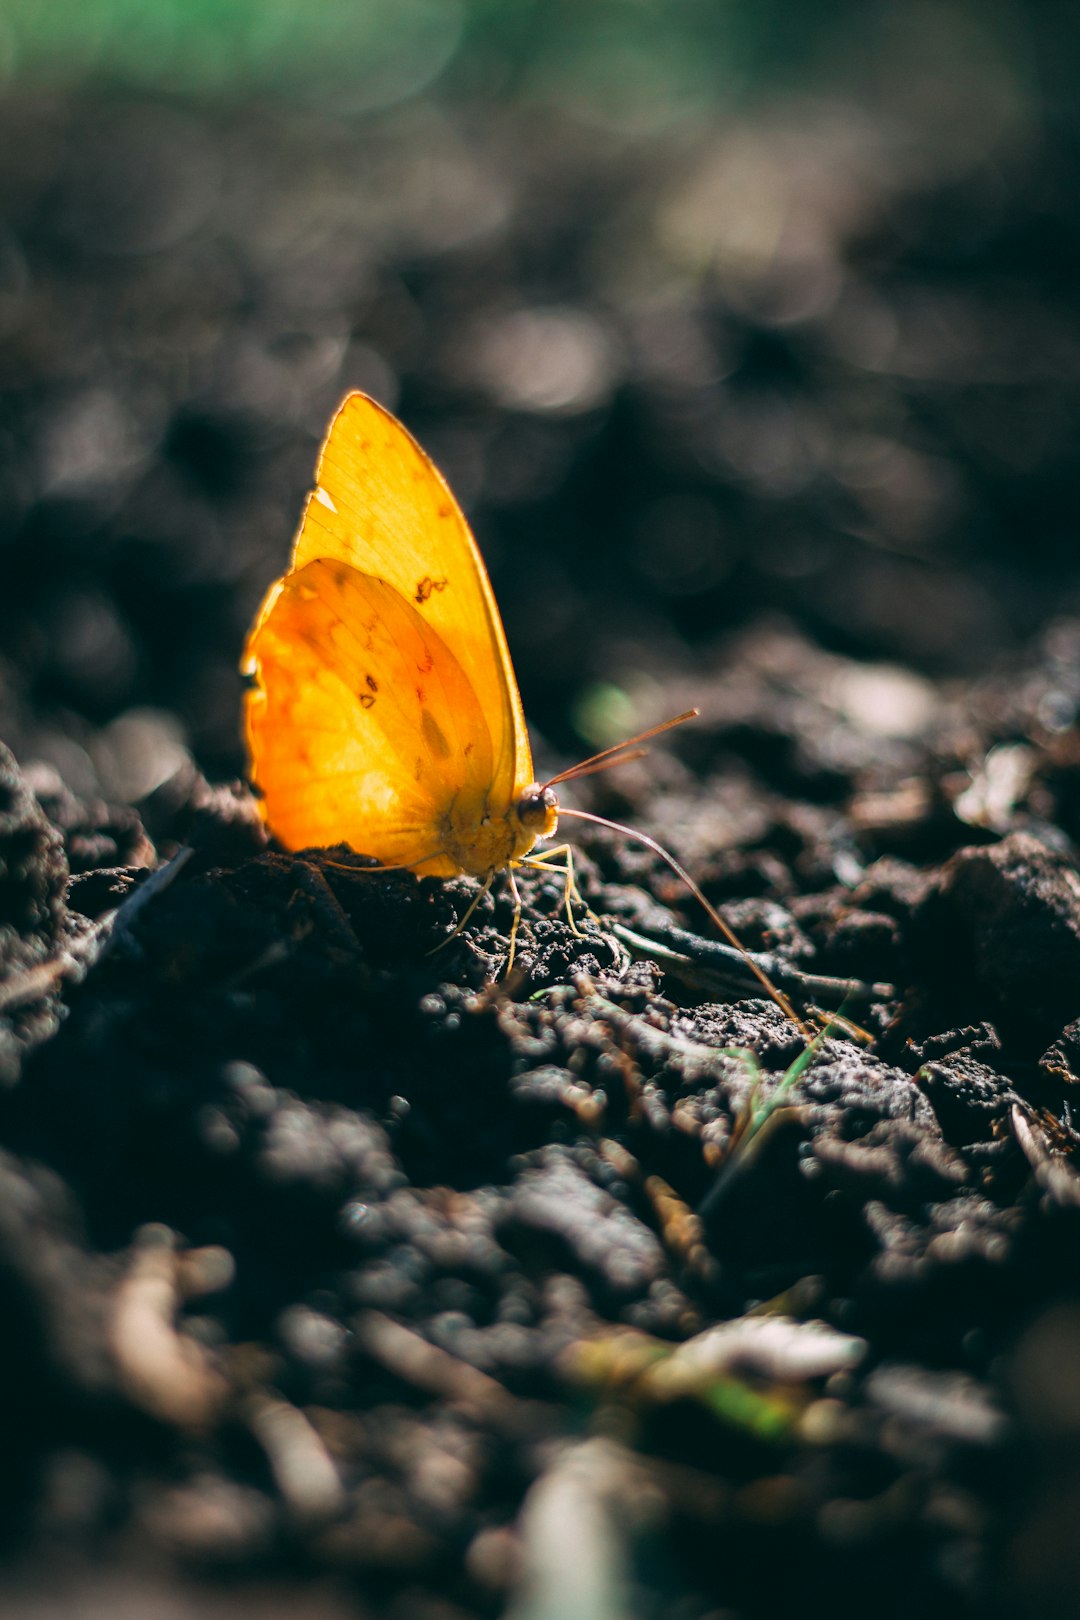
[[709, 311]]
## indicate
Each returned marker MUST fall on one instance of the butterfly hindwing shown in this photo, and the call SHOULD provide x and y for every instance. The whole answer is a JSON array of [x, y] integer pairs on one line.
[[362, 725]]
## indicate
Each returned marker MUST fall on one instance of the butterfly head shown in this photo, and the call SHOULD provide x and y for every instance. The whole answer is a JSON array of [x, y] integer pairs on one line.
[[537, 811]]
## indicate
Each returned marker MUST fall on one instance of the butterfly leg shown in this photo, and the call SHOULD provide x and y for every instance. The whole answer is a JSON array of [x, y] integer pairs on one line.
[[515, 893], [561, 859], [477, 897]]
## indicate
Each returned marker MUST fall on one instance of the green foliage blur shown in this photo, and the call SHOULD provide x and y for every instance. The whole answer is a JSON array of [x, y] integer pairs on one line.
[[640, 65]]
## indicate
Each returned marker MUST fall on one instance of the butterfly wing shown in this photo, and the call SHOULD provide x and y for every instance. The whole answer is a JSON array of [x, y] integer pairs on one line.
[[382, 506], [383, 704], [362, 725]]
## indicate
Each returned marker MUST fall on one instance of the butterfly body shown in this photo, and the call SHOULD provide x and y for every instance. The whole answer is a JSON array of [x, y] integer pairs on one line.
[[382, 710]]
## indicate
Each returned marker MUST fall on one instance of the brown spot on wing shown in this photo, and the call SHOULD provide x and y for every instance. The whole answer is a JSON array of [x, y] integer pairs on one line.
[[425, 586], [434, 735]]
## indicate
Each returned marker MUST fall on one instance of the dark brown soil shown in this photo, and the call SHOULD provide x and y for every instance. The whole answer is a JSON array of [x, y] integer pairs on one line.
[[341, 1273]]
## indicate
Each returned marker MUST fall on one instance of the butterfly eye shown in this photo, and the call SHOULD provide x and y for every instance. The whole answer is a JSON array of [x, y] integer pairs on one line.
[[536, 807]]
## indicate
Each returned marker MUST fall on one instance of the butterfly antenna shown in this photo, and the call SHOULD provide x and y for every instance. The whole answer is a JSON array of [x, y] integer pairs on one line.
[[591, 768], [725, 928], [620, 753]]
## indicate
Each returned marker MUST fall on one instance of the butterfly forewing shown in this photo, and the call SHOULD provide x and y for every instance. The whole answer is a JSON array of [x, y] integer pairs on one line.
[[382, 506]]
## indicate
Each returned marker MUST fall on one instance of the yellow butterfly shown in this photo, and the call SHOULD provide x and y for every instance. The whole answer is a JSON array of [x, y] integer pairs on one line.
[[385, 713], [382, 709]]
